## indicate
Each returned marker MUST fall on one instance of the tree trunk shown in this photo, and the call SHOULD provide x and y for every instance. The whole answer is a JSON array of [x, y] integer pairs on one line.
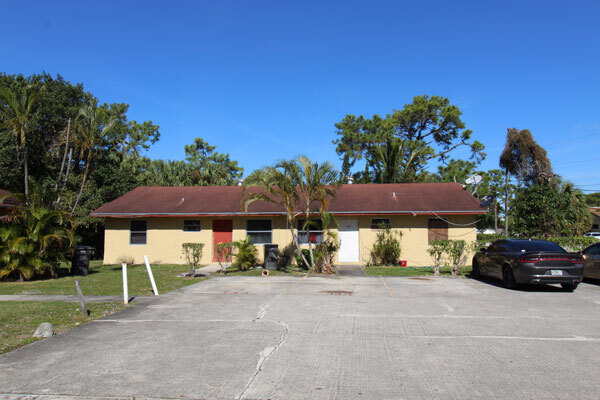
[[62, 188], [26, 174], [62, 164], [295, 238], [506, 206], [85, 173], [496, 217]]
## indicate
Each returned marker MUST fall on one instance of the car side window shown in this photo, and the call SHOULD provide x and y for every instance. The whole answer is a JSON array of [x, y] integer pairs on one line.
[[594, 250], [493, 248]]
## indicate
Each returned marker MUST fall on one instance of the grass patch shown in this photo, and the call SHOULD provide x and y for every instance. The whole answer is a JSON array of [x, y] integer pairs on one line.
[[106, 280], [290, 271], [19, 319], [412, 271]]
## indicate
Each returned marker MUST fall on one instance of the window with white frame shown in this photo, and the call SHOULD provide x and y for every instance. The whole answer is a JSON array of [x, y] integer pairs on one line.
[[379, 223], [260, 231], [192, 225], [137, 232], [310, 232]]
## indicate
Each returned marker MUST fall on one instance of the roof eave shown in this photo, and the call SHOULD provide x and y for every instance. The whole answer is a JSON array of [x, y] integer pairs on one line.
[[273, 214]]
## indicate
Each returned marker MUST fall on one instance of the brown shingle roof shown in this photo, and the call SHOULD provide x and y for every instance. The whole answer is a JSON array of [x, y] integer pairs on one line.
[[417, 198]]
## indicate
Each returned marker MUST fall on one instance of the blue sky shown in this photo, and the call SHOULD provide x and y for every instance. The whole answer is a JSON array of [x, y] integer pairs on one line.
[[265, 80]]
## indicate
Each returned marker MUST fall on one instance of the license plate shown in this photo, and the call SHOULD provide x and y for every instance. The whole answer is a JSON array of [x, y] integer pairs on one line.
[[556, 272]]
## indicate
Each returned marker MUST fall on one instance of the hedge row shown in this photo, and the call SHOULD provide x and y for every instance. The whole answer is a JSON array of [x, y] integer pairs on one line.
[[570, 243]]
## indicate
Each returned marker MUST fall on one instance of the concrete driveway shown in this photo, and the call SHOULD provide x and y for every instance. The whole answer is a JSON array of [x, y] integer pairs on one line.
[[326, 338]]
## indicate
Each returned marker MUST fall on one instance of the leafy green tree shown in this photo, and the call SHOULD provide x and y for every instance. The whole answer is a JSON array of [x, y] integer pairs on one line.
[[592, 199], [20, 105], [56, 102], [397, 148], [90, 130], [544, 211], [299, 186], [208, 167], [456, 171]]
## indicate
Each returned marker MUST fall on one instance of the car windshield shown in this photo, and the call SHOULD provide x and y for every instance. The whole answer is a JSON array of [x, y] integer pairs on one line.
[[538, 246]]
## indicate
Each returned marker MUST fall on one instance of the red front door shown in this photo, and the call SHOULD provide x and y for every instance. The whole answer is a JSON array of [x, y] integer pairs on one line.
[[222, 233]]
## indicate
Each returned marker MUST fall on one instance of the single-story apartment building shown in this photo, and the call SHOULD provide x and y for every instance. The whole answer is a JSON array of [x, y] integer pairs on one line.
[[156, 221]]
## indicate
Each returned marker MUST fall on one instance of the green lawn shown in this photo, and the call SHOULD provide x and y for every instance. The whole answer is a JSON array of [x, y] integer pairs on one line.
[[19, 319], [412, 271], [106, 280], [292, 270]]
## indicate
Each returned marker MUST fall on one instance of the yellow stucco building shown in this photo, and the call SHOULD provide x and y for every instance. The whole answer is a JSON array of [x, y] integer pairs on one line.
[[156, 221]]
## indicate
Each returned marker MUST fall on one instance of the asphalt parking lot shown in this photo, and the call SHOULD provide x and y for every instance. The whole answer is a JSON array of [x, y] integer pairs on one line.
[[326, 338]]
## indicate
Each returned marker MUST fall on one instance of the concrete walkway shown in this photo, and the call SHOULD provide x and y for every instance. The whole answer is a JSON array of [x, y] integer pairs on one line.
[[69, 298], [350, 270]]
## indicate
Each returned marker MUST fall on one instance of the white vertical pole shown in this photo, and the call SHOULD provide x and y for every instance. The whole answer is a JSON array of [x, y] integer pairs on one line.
[[125, 291], [154, 289]]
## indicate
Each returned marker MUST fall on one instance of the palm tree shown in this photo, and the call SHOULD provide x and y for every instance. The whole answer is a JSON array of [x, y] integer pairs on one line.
[[21, 105], [33, 241], [91, 128], [300, 187]]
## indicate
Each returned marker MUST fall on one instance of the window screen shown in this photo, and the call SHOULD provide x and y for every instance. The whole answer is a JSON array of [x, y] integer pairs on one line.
[[378, 223], [191, 225], [137, 232], [313, 233], [259, 231]]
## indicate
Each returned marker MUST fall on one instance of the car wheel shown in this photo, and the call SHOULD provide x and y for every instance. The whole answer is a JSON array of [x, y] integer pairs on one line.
[[475, 273], [508, 277], [569, 287]]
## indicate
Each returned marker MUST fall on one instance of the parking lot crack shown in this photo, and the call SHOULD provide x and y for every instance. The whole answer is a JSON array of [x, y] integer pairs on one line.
[[265, 355]]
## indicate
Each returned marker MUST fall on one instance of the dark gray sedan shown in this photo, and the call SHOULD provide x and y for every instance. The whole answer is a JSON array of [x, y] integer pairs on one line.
[[591, 263], [517, 261]]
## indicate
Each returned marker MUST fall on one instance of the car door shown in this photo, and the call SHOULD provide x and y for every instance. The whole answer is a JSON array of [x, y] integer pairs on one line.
[[591, 268], [486, 265], [497, 259]]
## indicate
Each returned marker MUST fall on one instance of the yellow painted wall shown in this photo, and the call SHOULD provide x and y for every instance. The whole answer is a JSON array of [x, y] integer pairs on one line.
[[165, 237], [414, 241]]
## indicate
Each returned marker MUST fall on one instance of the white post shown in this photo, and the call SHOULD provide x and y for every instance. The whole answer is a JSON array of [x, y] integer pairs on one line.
[[125, 291], [154, 289]]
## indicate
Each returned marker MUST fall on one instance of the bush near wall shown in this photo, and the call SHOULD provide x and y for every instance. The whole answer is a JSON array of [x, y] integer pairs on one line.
[[572, 244]]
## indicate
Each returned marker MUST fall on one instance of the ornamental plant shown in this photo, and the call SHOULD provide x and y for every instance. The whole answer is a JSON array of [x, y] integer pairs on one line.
[[193, 254], [246, 254], [386, 249]]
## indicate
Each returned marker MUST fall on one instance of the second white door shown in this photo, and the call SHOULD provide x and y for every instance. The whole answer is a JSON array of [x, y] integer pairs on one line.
[[348, 233]]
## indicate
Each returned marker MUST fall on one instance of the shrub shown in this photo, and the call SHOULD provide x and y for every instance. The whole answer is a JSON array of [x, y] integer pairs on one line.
[[300, 261], [573, 244], [193, 254], [246, 255], [437, 249], [325, 251], [33, 242], [455, 251], [386, 249]]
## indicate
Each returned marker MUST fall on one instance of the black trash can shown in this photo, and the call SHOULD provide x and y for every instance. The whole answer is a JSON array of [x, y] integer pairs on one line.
[[81, 260], [271, 255]]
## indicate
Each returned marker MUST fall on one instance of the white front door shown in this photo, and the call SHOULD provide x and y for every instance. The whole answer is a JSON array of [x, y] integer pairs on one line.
[[348, 233]]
